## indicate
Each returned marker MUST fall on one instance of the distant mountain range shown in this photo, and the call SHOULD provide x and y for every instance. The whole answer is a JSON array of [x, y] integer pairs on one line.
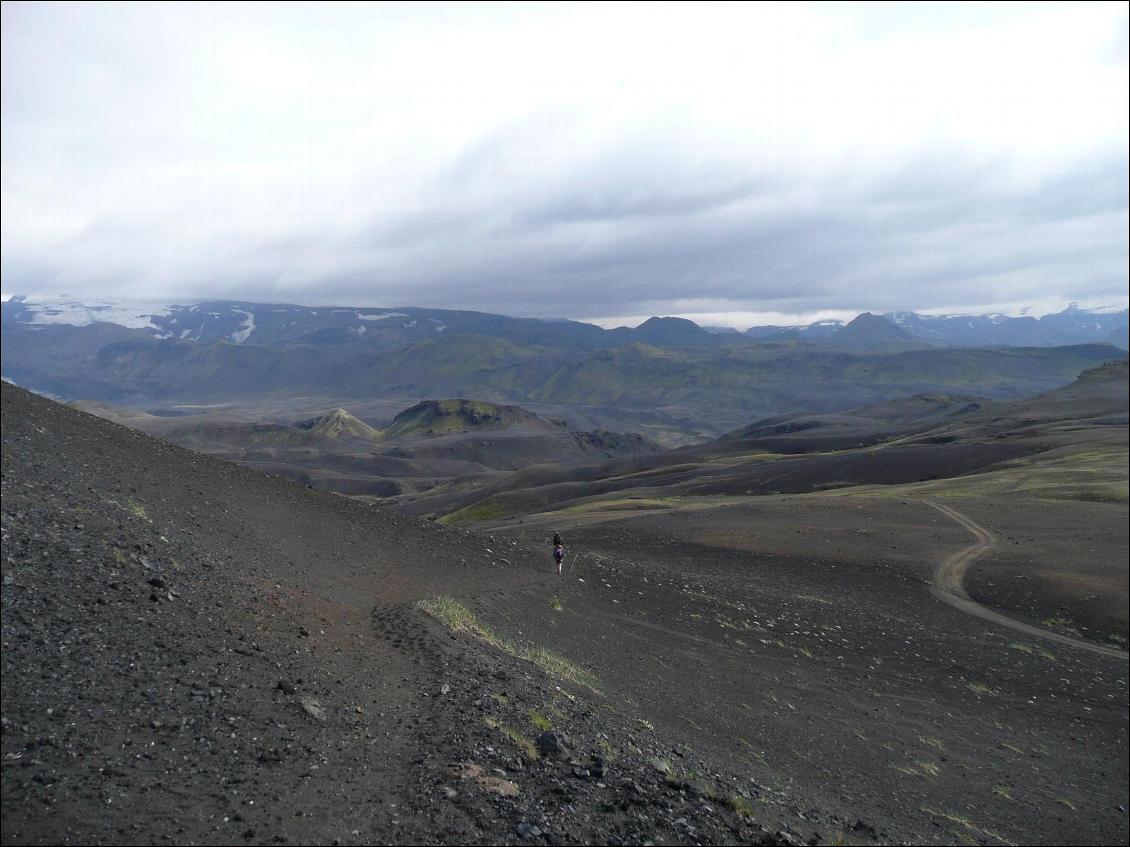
[[1071, 326], [275, 324], [668, 371]]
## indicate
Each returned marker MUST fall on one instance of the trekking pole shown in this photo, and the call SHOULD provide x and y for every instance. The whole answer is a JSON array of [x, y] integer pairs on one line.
[[569, 570]]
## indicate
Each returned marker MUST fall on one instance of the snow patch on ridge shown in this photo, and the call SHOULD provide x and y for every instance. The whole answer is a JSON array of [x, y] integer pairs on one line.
[[130, 314], [248, 327]]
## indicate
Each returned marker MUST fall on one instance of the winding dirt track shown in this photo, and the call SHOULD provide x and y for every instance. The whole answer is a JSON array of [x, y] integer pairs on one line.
[[948, 586]]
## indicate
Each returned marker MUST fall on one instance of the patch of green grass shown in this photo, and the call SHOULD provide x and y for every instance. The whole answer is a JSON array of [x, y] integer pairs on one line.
[[622, 504], [556, 604], [954, 817], [499, 698], [1095, 475], [1032, 649], [484, 510], [459, 618], [135, 508], [119, 556], [1066, 801], [741, 805], [516, 737], [1002, 791], [1062, 625], [924, 769], [980, 688], [540, 721], [646, 724]]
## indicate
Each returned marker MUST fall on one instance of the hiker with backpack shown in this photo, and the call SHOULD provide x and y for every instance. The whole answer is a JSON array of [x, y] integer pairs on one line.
[[558, 551]]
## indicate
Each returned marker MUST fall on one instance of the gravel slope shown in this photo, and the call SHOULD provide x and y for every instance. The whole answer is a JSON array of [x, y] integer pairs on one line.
[[197, 653]]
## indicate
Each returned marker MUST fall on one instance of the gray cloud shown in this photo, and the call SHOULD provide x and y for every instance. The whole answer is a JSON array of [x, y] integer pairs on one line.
[[372, 157]]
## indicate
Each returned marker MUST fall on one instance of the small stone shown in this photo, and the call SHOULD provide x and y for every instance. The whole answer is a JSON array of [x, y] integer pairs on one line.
[[664, 767], [157, 582], [552, 744], [313, 708], [287, 687]]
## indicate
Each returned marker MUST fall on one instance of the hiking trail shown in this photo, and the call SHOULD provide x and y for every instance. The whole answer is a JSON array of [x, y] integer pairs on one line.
[[948, 586]]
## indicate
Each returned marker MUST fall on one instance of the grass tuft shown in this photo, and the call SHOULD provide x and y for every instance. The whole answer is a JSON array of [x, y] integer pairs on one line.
[[459, 618], [741, 805], [1032, 649], [540, 721], [980, 688], [516, 737]]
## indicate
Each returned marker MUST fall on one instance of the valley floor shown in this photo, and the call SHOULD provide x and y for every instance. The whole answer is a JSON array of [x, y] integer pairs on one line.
[[799, 639]]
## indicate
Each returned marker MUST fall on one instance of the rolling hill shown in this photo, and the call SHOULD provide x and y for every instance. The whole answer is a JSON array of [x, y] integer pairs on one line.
[[953, 440]]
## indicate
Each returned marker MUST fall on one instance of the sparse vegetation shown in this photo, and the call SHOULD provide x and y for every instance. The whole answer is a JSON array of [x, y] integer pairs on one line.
[[1062, 625], [458, 617], [965, 822], [623, 504], [136, 509], [540, 721], [485, 510], [741, 805], [516, 737], [1032, 649], [932, 742], [920, 768]]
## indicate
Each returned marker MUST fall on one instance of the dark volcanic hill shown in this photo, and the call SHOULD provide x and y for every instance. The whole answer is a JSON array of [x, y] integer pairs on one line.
[[430, 444], [196, 652], [436, 417]]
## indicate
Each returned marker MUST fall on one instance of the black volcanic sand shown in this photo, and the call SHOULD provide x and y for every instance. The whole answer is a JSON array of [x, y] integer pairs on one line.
[[1062, 565], [197, 653], [795, 639]]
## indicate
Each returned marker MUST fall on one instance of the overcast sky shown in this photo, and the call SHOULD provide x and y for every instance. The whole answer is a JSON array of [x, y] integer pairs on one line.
[[734, 164]]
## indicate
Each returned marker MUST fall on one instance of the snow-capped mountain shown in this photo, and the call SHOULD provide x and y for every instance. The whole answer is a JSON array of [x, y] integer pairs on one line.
[[1106, 325], [1071, 326]]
